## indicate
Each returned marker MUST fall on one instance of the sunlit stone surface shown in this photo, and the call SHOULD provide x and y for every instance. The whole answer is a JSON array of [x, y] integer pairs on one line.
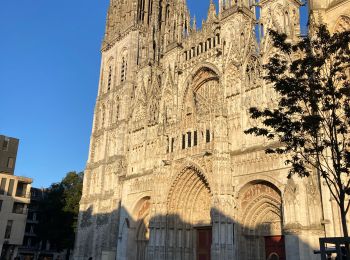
[[170, 174]]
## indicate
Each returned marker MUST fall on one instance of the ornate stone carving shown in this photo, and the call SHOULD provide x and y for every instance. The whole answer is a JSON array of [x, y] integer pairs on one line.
[[169, 123], [233, 81], [343, 24], [261, 204]]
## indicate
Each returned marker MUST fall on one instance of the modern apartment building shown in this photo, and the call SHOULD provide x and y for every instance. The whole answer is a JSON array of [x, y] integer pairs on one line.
[[14, 201], [8, 154]]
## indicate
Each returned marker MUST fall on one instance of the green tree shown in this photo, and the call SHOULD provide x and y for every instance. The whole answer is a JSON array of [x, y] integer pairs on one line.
[[311, 121], [59, 211]]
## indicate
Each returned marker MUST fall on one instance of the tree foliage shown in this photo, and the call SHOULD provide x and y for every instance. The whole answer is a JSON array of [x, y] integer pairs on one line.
[[59, 211], [311, 121]]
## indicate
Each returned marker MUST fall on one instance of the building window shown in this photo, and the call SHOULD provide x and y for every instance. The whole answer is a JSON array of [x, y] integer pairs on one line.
[[109, 78], [8, 229], [5, 144], [21, 189], [172, 144], [2, 186], [10, 162], [10, 188], [183, 141], [189, 139], [195, 138], [0, 204], [141, 10], [218, 39], [118, 111], [167, 147], [124, 69], [207, 136], [18, 208]]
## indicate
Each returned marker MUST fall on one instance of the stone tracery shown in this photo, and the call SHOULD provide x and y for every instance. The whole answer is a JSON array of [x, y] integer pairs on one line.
[[203, 97]]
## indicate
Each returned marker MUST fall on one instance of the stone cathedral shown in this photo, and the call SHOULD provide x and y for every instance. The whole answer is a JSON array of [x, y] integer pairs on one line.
[[170, 173]]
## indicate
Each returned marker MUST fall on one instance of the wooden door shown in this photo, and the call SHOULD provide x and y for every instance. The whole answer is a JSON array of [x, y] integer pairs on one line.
[[203, 243], [275, 248]]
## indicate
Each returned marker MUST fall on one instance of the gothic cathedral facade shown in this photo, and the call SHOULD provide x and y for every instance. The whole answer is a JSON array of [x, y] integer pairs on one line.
[[170, 173]]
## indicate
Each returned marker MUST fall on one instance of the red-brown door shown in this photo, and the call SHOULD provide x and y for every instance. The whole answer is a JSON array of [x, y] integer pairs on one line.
[[275, 248], [203, 243]]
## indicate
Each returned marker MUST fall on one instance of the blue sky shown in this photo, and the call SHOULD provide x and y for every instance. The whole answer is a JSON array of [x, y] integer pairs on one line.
[[49, 70]]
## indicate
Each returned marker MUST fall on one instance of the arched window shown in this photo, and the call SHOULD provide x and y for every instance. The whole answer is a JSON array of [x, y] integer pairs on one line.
[[207, 136], [124, 69], [167, 17], [218, 41], [118, 110], [109, 83]]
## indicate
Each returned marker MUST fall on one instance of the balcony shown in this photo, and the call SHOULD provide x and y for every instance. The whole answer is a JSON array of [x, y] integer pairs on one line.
[[21, 190]]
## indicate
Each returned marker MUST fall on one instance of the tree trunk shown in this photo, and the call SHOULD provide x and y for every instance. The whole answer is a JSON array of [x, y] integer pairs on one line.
[[345, 228], [343, 221]]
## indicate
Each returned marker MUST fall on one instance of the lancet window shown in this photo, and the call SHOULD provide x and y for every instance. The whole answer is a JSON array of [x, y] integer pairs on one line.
[[109, 83], [202, 47], [124, 69], [207, 136], [189, 139], [117, 112]]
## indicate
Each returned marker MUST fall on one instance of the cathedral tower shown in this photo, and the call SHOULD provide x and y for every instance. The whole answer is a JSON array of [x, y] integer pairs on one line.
[[282, 16]]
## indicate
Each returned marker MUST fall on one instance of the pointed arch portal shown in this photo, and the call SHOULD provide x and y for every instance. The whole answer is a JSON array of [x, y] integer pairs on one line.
[[261, 219], [189, 220]]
